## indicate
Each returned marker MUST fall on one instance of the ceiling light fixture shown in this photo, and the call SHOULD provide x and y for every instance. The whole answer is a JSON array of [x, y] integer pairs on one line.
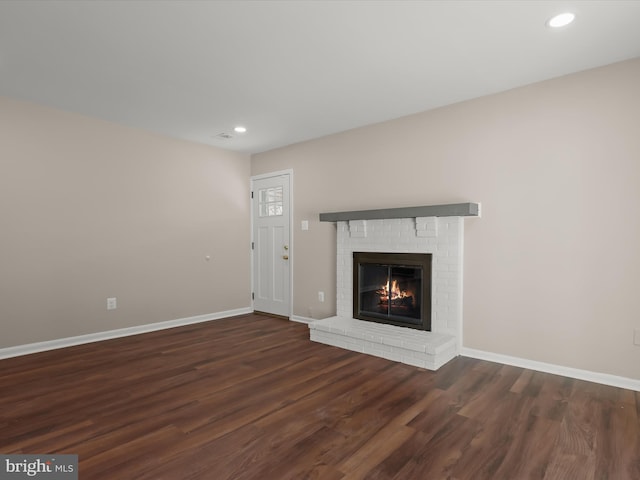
[[240, 129], [561, 20]]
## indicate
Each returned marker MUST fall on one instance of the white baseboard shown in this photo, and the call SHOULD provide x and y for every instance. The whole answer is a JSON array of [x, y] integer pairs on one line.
[[121, 332], [299, 319], [603, 378]]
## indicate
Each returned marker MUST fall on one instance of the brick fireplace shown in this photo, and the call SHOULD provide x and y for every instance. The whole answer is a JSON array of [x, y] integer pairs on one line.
[[437, 230]]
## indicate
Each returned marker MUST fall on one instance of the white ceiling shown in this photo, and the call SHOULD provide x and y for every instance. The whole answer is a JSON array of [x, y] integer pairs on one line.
[[292, 70]]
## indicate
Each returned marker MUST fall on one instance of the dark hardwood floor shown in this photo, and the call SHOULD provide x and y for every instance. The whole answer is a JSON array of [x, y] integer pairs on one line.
[[251, 397]]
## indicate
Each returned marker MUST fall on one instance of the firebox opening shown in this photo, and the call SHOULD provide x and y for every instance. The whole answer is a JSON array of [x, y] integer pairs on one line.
[[393, 288]]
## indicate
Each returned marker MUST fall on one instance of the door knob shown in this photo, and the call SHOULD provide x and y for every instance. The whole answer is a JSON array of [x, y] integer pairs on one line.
[[286, 247], [285, 257]]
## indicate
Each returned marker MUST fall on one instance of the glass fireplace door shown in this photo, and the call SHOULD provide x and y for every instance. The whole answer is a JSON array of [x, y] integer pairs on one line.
[[391, 292], [393, 288]]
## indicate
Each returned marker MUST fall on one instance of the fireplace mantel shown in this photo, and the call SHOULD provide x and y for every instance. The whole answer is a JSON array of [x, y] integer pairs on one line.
[[448, 210]]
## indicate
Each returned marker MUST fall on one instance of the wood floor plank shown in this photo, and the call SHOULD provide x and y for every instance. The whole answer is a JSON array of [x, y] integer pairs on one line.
[[250, 397], [439, 453], [375, 450]]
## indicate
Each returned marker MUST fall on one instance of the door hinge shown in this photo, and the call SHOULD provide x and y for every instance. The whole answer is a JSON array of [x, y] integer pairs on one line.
[[253, 296], [252, 246], [251, 194]]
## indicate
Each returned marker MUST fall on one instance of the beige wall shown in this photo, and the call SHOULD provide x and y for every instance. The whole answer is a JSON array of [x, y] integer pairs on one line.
[[90, 210], [552, 269]]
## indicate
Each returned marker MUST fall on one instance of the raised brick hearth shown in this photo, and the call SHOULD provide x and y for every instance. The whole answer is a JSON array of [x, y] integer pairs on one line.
[[406, 345]]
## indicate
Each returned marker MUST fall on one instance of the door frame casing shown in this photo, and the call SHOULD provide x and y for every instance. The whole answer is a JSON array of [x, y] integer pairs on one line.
[[289, 173]]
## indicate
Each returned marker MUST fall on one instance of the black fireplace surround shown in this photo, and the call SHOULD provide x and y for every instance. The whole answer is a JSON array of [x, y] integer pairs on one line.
[[393, 288]]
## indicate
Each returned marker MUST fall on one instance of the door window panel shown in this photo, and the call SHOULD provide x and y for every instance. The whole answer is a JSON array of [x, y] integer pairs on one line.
[[270, 201]]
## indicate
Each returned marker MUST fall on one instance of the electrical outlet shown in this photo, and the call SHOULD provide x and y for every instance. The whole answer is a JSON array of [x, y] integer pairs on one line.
[[636, 337], [321, 296], [112, 303]]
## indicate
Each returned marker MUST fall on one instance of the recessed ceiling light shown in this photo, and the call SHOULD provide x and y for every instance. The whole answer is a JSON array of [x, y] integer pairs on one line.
[[240, 129], [561, 20]]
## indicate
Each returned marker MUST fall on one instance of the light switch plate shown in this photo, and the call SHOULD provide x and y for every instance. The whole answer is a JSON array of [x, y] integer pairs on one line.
[[112, 303]]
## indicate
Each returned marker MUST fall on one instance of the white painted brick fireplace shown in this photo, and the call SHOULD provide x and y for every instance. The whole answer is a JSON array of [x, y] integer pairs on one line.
[[441, 236]]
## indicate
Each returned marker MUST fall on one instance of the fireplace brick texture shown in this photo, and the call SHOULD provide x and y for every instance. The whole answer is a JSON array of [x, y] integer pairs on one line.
[[427, 226], [440, 236]]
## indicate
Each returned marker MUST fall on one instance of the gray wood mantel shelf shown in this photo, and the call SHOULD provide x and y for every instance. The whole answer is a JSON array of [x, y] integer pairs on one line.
[[449, 210]]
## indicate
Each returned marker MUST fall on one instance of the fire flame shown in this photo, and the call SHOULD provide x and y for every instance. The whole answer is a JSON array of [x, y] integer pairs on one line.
[[394, 293]]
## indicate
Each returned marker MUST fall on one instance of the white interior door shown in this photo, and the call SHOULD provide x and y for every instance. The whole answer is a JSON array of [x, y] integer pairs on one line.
[[271, 244]]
